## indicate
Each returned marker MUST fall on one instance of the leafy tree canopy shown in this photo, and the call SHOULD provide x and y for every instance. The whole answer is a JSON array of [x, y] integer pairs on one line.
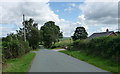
[[80, 33], [50, 33]]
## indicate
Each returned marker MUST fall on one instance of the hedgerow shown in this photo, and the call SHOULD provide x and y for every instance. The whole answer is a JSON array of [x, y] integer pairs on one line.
[[107, 47], [13, 48]]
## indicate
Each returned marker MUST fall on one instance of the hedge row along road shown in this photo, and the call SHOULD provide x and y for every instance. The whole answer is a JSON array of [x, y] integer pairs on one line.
[[53, 61]]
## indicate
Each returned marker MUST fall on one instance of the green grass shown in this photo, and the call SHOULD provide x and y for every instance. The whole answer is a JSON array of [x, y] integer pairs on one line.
[[62, 44], [97, 61], [21, 64]]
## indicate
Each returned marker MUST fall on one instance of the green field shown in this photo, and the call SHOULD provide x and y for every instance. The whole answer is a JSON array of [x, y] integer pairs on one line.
[[97, 61], [64, 42], [21, 64]]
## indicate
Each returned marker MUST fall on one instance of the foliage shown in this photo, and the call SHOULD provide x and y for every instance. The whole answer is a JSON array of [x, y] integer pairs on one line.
[[13, 48], [21, 64], [80, 33], [34, 36], [32, 33], [50, 33], [107, 47]]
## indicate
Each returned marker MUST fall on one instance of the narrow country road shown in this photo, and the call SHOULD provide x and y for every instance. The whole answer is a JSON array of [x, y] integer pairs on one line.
[[53, 61]]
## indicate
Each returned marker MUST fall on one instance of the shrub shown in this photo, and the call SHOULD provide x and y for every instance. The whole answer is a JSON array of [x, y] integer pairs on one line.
[[25, 46], [80, 44], [107, 47], [14, 48]]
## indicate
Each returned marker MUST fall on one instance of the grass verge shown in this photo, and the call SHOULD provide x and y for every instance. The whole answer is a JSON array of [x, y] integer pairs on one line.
[[21, 64], [102, 63]]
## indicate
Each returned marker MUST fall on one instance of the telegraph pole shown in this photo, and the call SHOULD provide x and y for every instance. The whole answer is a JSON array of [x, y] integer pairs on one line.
[[24, 27]]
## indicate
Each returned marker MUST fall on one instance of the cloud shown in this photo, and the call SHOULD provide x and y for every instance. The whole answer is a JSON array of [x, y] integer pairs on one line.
[[99, 16], [41, 12], [57, 10], [67, 27], [100, 12], [111, 28], [6, 30], [68, 9], [72, 4], [25, 0], [12, 14]]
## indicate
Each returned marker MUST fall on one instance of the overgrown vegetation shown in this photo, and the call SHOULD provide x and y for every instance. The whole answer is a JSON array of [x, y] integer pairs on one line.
[[106, 47], [15, 46], [21, 64], [28, 38]]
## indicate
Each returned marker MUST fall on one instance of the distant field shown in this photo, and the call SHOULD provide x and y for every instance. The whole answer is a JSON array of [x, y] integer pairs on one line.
[[66, 38], [64, 41]]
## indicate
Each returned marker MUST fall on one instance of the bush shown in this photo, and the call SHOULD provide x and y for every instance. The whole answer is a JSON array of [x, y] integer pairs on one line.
[[107, 47], [80, 44], [14, 48], [104, 46], [25, 46]]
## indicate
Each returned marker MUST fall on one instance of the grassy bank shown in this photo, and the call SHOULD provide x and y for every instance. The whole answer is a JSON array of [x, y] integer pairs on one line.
[[21, 64], [97, 61]]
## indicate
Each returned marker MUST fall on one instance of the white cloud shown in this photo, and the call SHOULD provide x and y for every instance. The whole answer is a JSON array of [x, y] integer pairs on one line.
[[40, 12], [100, 12], [62, 20], [5, 30], [68, 9], [73, 4], [24, 0], [93, 14], [110, 28], [12, 13], [57, 10]]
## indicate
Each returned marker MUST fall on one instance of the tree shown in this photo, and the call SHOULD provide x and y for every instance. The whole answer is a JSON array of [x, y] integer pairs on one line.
[[80, 33], [50, 33], [32, 33], [61, 35], [34, 36]]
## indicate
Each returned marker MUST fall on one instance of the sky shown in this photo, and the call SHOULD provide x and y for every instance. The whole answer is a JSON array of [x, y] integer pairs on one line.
[[94, 16]]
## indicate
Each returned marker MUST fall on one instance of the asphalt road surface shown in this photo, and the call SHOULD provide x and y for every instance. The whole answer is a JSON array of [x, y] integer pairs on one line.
[[53, 61]]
